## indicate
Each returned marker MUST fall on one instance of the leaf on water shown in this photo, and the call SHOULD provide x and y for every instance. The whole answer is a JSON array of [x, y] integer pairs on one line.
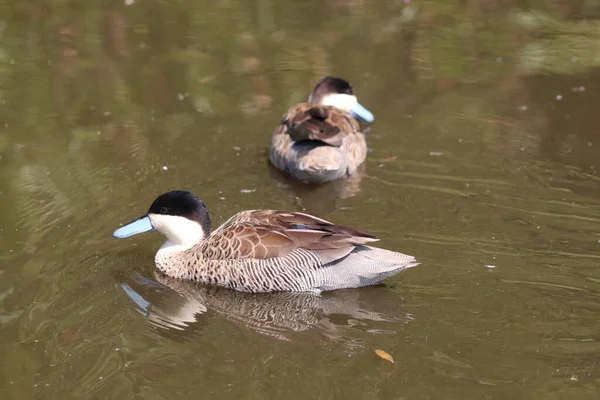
[[385, 355]]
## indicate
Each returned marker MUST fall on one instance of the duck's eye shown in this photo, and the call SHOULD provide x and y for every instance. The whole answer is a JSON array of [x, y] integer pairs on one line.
[[163, 210]]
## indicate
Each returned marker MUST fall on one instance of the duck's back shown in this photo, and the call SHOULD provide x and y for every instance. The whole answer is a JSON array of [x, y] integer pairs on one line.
[[317, 143]]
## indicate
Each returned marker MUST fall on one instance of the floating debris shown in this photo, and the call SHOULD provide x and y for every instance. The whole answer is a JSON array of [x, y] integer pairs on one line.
[[436, 153], [164, 168], [385, 355], [558, 97], [523, 108], [247, 190], [490, 266]]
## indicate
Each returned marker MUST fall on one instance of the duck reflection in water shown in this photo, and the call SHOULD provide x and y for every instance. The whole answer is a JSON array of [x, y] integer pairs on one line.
[[318, 198], [177, 307]]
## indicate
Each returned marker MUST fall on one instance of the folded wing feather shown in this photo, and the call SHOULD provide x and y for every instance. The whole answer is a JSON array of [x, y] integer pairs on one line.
[[323, 123], [264, 234]]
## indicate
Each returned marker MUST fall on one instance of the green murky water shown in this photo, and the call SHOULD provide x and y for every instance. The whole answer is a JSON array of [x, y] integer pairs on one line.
[[484, 165]]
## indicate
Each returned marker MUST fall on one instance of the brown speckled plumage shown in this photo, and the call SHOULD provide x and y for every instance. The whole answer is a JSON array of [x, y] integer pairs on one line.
[[262, 250], [317, 143], [266, 251]]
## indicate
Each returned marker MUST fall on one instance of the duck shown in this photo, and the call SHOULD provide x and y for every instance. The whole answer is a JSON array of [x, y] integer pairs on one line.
[[262, 251], [320, 140]]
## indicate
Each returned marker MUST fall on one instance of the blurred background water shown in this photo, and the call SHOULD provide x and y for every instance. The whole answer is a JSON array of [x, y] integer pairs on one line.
[[484, 164]]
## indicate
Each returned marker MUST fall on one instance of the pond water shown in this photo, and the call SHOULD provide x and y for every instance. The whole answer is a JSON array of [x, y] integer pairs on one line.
[[484, 165]]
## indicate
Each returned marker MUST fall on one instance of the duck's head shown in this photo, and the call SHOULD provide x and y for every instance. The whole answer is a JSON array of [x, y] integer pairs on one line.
[[337, 92], [179, 215]]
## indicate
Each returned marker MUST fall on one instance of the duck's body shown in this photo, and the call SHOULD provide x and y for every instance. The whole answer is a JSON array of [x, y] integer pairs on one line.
[[267, 251], [320, 140], [264, 250]]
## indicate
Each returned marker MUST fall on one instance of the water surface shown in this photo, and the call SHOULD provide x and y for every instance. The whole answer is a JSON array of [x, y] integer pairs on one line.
[[484, 164]]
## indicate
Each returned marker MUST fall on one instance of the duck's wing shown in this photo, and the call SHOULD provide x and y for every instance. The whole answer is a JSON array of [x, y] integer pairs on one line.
[[263, 234], [312, 122]]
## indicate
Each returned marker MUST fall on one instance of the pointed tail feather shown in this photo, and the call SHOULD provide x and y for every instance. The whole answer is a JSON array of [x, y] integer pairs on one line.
[[364, 266]]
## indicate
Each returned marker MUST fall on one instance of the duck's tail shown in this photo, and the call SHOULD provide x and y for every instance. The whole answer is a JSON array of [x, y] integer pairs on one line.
[[364, 266]]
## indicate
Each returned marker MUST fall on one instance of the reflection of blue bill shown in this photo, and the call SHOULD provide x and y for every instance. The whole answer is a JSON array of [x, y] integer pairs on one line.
[[137, 299]]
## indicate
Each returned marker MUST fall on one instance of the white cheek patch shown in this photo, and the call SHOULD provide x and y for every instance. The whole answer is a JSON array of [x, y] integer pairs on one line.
[[342, 101], [180, 231]]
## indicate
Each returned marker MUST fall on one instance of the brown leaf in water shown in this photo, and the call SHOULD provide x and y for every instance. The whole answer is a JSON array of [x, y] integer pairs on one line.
[[385, 355]]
